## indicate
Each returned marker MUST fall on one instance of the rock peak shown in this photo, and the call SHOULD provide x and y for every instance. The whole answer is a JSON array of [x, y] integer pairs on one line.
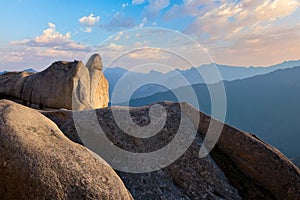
[[95, 62]]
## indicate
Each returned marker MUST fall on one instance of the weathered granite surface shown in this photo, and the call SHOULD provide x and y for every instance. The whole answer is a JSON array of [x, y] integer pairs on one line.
[[38, 162], [69, 85], [240, 165]]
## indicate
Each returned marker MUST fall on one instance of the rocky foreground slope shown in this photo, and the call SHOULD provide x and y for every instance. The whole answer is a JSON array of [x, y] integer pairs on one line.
[[38, 162], [240, 165]]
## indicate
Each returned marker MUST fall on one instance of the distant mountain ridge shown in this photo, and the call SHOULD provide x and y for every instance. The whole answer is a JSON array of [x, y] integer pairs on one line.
[[175, 78], [266, 105], [25, 70]]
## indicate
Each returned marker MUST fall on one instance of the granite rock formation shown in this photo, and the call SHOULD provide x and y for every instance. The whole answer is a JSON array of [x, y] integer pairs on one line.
[[69, 85], [38, 162], [40, 159], [99, 85], [239, 166]]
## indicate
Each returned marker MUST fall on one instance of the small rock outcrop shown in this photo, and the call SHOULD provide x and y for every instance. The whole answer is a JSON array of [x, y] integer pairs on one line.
[[69, 85], [240, 165], [98, 83], [38, 162]]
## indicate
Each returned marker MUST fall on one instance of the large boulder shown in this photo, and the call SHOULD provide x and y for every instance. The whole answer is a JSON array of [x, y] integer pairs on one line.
[[38, 162], [240, 165], [188, 178], [253, 166], [69, 85]]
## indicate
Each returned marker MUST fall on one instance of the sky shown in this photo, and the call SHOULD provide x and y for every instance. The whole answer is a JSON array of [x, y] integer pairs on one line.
[[133, 33]]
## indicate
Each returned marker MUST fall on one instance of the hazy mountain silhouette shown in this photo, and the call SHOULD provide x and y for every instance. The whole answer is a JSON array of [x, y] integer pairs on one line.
[[30, 70], [26, 70], [177, 78], [3, 72], [266, 105]]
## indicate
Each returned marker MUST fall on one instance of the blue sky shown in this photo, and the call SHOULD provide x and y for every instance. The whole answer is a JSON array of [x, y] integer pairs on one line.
[[36, 33]]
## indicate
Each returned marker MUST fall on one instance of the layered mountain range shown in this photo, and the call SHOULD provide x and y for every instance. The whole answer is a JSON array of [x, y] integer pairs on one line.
[[266, 105], [154, 81]]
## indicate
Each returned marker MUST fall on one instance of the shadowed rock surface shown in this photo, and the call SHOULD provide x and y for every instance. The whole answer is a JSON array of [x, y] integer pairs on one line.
[[240, 165], [38, 162], [69, 85]]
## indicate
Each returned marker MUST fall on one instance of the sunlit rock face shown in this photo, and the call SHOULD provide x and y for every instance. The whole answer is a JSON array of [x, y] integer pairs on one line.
[[69, 85], [38, 162], [98, 82]]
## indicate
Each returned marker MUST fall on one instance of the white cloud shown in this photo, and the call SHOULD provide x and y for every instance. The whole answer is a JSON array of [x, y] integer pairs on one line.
[[119, 21], [52, 39], [138, 44], [37, 58], [148, 54], [188, 7], [114, 47], [270, 10], [124, 5], [12, 55], [229, 17], [243, 30], [230, 20], [87, 29], [141, 44], [19, 42], [155, 6], [41, 50], [158, 4], [119, 35], [52, 53], [50, 35], [90, 20], [144, 21], [137, 2]]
